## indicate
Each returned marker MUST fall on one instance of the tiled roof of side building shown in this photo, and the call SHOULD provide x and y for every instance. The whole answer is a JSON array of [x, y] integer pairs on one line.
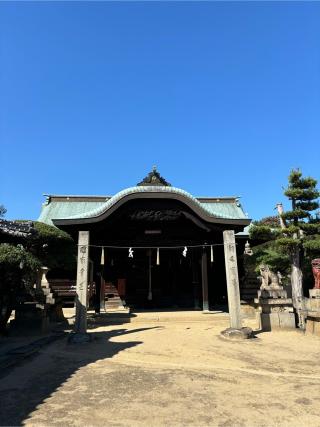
[[78, 207]]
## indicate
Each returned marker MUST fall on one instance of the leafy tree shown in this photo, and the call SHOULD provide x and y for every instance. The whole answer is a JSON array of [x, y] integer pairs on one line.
[[55, 248], [21, 259], [18, 272], [299, 235]]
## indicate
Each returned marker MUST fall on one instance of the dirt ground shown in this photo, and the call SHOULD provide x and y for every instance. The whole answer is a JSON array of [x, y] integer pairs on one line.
[[167, 373]]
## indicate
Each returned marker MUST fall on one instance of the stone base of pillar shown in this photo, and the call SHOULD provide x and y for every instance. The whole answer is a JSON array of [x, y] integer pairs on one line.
[[79, 338], [237, 334]]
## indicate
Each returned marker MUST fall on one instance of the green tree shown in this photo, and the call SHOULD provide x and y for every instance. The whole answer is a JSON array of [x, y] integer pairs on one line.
[[18, 272], [21, 259], [55, 248], [298, 232]]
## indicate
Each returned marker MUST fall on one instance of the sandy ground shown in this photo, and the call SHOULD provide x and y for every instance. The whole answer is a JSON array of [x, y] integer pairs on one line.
[[173, 373]]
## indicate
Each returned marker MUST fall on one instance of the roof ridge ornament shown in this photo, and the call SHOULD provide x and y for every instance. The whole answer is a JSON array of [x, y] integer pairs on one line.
[[154, 179]]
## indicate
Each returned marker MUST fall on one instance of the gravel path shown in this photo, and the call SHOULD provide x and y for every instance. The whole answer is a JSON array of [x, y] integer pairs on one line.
[[167, 374]]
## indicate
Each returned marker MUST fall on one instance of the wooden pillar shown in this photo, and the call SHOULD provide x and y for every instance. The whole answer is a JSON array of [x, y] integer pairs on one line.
[[150, 276], [230, 256], [204, 273], [80, 326], [195, 280], [102, 293]]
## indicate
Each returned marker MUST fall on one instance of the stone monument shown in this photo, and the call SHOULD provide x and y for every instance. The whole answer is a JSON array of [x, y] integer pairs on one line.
[[236, 331], [276, 310]]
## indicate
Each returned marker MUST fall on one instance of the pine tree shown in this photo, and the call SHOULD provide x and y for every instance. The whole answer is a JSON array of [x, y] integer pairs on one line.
[[300, 228], [298, 233]]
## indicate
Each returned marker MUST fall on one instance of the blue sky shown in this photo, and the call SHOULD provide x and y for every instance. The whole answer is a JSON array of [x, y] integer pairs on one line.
[[223, 97]]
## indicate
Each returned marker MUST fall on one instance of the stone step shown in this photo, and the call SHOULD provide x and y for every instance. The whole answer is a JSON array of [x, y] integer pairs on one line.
[[113, 304]]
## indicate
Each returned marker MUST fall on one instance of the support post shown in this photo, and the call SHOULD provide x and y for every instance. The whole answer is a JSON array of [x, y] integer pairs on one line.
[[102, 293], [80, 327], [204, 273], [195, 281], [230, 256]]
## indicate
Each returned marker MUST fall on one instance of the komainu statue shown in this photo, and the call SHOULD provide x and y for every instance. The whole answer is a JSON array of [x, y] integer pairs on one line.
[[316, 272], [269, 278]]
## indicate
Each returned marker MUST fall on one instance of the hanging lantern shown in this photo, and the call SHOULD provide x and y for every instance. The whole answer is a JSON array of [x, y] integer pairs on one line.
[[158, 256], [184, 252], [130, 255], [211, 254], [102, 257]]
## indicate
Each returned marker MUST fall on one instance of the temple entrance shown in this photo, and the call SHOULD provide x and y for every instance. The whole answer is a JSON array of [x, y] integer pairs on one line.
[[151, 280], [137, 223], [161, 278]]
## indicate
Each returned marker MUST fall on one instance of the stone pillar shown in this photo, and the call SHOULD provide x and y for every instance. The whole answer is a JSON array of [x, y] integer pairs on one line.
[[230, 255], [204, 273], [80, 326]]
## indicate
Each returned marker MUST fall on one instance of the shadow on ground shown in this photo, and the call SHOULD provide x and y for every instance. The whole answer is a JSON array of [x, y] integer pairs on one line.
[[25, 387], [106, 319]]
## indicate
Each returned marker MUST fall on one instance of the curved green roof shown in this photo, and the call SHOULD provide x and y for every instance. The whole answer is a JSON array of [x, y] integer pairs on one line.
[[87, 207], [133, 190]]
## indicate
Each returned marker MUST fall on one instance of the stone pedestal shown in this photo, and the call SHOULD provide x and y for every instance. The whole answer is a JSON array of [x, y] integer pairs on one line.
[[313, 323], [276, 310], [313, 312], [30, 318]]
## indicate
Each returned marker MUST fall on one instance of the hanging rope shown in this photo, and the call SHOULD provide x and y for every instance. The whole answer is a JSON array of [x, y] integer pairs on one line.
[[156, 247]]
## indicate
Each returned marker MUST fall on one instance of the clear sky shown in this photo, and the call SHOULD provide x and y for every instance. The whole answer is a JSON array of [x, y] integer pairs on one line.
[[223, 97]]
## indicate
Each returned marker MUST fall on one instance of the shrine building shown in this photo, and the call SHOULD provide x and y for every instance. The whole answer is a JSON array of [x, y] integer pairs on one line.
[[157, 245]]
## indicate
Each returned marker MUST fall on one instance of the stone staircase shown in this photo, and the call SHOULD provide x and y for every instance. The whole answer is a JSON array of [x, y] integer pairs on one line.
[[249, 287], [113, 302]]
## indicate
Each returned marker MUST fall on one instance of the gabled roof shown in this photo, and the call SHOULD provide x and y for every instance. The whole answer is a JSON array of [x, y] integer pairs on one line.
[[154, 179], [69, 209]]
